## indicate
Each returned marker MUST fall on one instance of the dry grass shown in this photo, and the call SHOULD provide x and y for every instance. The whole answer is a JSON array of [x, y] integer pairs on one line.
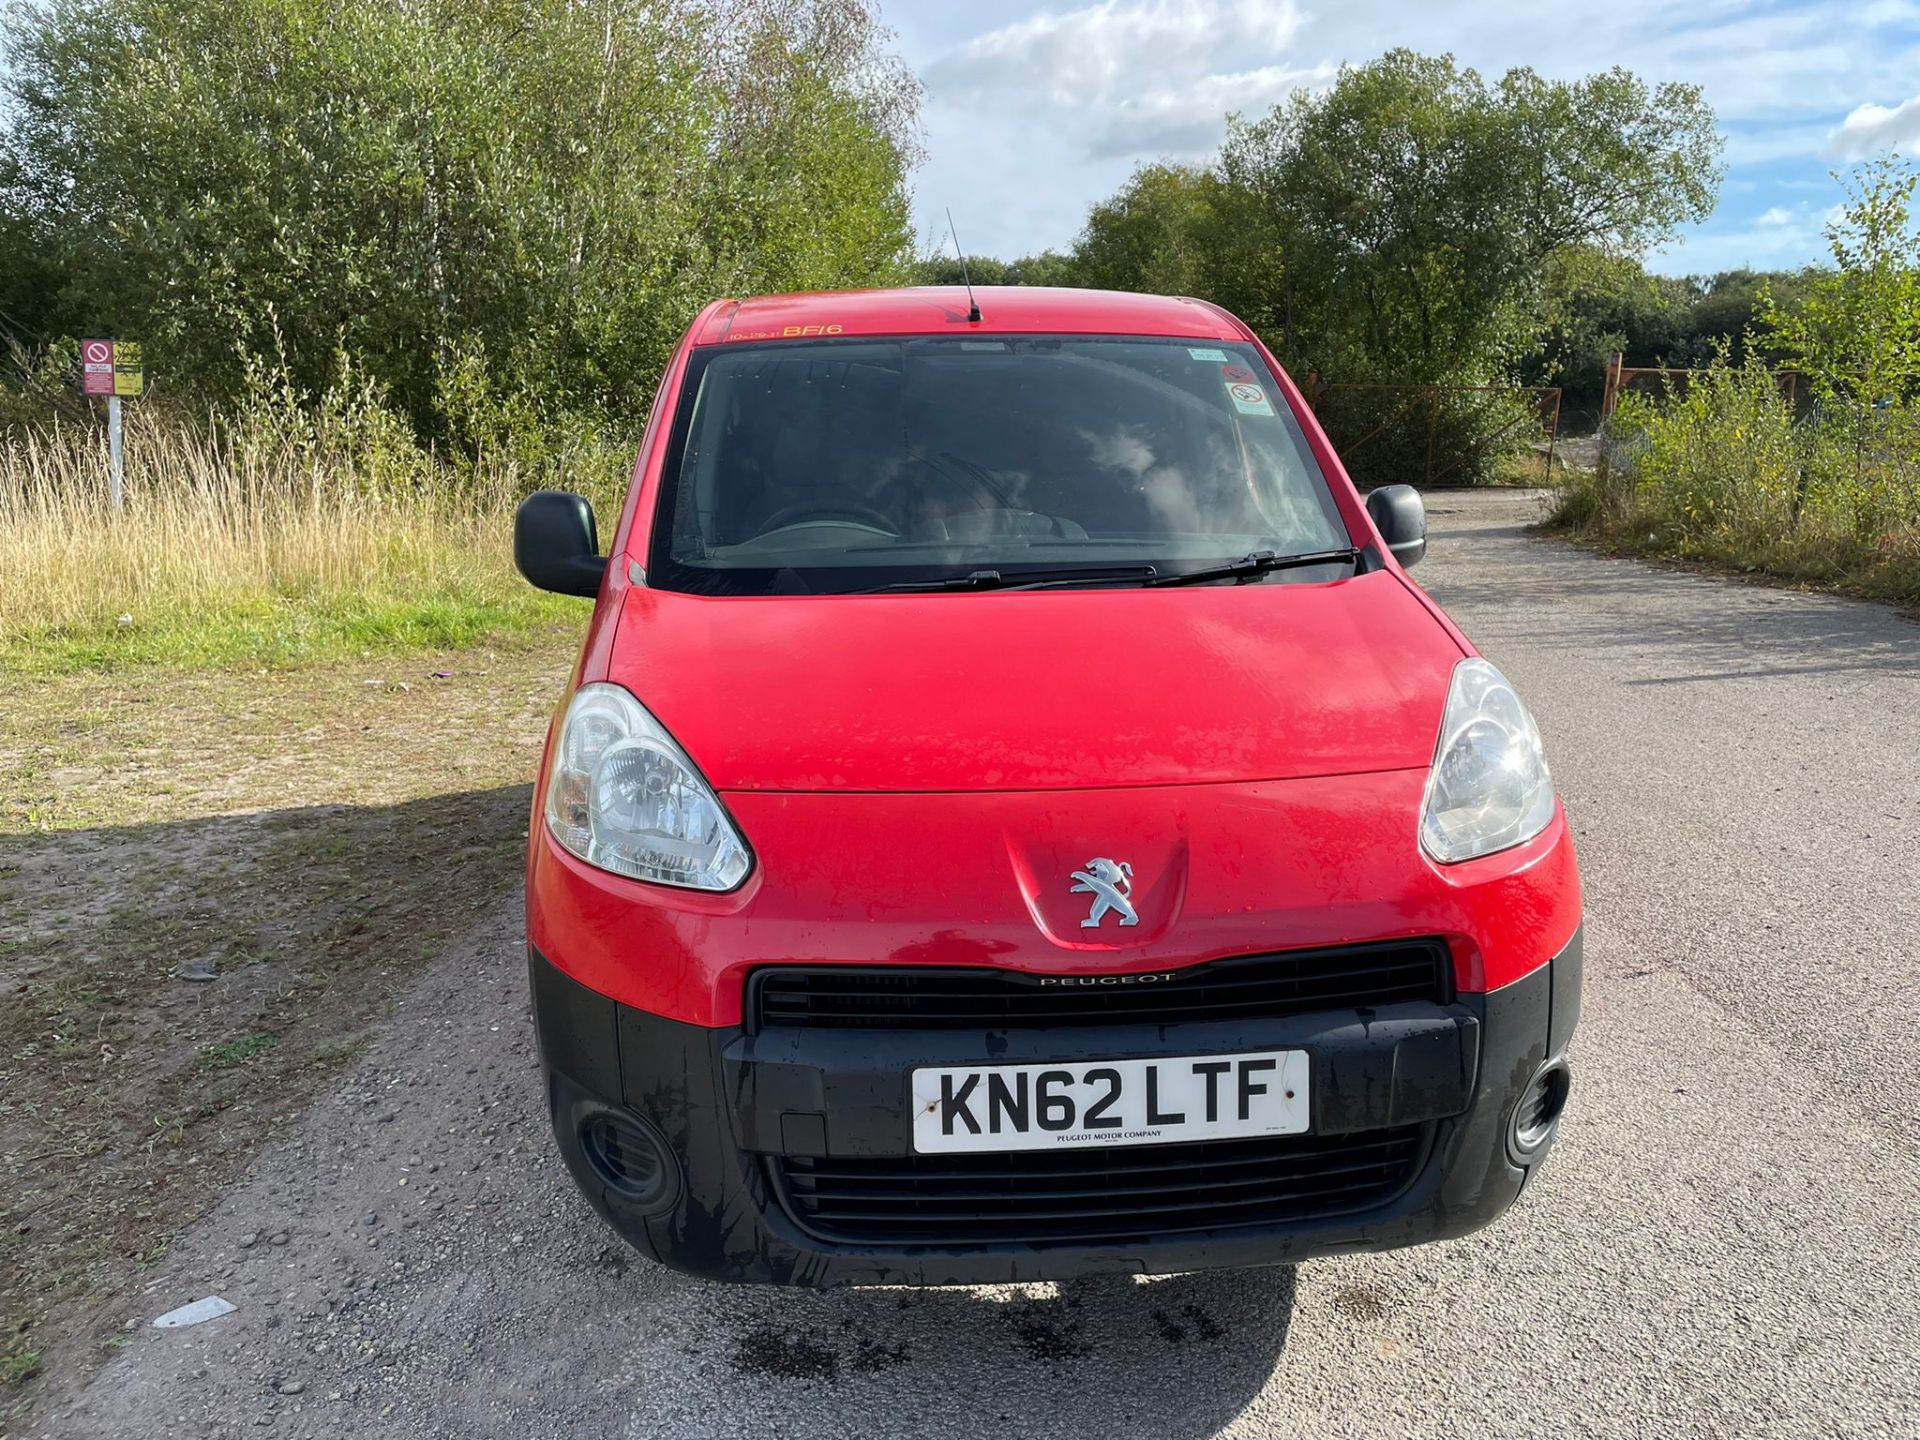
[[274, 540]]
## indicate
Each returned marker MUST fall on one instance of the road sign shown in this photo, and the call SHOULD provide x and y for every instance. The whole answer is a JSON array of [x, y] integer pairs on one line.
[[96, 367], [112, 368]]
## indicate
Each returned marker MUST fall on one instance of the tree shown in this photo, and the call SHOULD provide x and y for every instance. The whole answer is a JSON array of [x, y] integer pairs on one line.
[[1598, 306], [491, 207], [1414, 210], [1855, 329], [1049, 267], [1150, 236], [1732, 305]]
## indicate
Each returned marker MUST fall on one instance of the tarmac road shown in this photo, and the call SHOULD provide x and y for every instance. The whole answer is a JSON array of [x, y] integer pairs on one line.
[[1724, 1242]]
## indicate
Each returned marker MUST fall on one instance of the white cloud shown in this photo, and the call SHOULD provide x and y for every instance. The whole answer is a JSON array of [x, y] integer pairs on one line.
[[1188, 122], [1037, 108], [1093, 53], [1139, 78], [1890, 12], [1777, 238], [1870, 128]]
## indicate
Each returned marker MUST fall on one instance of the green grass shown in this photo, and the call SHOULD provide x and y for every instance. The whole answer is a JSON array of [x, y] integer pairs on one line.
[[231, 1053], [18, 1366], [1727, 475], [286, 632], [1887, 570]]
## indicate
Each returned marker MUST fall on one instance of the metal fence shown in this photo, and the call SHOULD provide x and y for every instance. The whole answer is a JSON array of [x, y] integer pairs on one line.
[[1658, 380]]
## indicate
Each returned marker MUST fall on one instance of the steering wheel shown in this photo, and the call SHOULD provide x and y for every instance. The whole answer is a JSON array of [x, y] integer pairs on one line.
[[829, 508]]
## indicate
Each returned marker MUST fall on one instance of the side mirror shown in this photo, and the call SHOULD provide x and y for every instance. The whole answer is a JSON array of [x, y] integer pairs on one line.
[[1402, 521], [555, 545]]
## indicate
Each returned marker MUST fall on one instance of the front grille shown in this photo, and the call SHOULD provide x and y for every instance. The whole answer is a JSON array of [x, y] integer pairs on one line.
[[1244, 987], [1082, 1196]]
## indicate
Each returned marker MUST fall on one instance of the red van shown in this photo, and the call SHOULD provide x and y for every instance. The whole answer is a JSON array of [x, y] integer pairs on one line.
[[1013, 816]]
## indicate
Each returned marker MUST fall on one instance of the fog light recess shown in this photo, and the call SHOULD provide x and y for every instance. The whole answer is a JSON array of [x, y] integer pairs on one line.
[[1540, 1107], [630, 1157]]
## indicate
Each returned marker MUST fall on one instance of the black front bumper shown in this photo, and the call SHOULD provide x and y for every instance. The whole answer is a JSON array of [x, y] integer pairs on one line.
[[725, 1113]]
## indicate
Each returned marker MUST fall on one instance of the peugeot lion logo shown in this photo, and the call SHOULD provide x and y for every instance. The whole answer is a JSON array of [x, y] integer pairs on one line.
[[1110, 882]]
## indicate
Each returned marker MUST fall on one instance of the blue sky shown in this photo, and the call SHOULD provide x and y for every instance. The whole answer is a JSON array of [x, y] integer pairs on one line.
[[1035, 110]]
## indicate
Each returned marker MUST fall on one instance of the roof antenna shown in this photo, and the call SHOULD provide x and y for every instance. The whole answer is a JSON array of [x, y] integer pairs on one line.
[[973, 305]]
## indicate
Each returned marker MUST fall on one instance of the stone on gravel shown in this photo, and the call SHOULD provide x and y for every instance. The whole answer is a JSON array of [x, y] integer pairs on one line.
[[210, 1307]]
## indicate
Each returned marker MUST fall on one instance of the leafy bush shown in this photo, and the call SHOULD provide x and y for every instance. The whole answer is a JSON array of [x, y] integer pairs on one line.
[[1722, 470], [1408, 435], [504, 213]]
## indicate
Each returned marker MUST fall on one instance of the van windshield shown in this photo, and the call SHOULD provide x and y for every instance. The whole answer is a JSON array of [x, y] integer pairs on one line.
[[830, 466]]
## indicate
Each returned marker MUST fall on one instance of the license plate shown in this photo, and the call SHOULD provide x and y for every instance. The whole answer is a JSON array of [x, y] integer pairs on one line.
[[1110, 1102]]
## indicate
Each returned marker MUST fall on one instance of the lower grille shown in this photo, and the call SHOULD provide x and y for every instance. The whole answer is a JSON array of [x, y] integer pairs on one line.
[[1242, 987], [1087, 1196]]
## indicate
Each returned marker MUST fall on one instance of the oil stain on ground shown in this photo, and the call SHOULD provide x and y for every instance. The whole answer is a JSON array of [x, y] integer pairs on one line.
[[1041, 1337], [1193, 1323], [784, 1355], [1362, 1302]]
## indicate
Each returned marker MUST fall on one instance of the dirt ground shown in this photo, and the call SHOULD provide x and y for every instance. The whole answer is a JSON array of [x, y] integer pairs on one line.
[[211, 885]]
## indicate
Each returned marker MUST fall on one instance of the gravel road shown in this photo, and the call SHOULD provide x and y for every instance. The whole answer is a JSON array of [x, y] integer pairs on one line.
[[1724, 1243]]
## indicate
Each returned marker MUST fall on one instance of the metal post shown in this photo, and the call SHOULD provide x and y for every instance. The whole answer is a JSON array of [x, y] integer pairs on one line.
[[1433, 428], [117, 481], [1553, 433]]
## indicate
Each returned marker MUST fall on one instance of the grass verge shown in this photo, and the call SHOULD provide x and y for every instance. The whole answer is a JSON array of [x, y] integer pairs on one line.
[[1885, 567], [280, 631], [1727, 473], [278, 538]]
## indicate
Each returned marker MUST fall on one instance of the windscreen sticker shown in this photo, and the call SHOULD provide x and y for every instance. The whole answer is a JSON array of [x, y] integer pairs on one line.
[[1217, 356], [1237, 372], [1248, 399]]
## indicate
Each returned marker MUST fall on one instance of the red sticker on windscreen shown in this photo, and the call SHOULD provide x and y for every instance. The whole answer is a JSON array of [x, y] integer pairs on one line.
[[1236, 372]]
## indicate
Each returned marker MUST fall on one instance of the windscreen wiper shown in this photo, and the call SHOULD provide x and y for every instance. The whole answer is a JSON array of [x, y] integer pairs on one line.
[[1258, 563], [1026, 579]]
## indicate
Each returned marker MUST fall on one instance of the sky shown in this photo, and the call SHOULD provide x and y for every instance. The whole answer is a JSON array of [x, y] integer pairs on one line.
[[1034, 111]]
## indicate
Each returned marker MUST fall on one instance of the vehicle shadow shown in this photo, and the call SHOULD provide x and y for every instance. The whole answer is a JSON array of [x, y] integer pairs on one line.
[[1172, 1358]]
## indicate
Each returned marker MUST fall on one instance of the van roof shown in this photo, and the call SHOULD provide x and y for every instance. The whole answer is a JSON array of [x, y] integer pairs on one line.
[[942, 310]]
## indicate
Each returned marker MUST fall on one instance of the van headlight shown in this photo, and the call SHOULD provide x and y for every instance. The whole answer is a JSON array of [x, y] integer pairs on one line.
[[623, 796], [1489, 788]]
